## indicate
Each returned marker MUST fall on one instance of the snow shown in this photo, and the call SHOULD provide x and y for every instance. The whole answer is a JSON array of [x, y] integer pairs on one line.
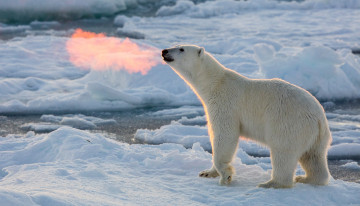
[[318, 69], [191, 128], [183, 111], [120, 20], [294, 44], [37, 9], [351, 165], [344, 151], [12, 29], [221, 7], [61, 161], [179, 8], [50, 123], [176, 133], [45, 24], [40, 127], [74, 167]]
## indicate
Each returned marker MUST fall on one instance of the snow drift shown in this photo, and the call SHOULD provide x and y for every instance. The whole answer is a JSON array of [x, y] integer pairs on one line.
[[29, 86], [226, 7], [327, 74], [73, 167], [25, 11]]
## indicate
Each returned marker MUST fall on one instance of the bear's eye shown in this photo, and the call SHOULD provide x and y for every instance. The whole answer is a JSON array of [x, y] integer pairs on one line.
[[181, 49]]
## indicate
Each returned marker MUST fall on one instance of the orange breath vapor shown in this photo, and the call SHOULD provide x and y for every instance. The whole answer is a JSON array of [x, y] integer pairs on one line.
[[89, 50]]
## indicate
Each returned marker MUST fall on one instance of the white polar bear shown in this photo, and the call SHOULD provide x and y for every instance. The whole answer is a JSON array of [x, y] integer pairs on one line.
[[285, 117]]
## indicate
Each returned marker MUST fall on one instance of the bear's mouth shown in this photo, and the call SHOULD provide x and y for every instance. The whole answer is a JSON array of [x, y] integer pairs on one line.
[[168, 59], [166, 56]]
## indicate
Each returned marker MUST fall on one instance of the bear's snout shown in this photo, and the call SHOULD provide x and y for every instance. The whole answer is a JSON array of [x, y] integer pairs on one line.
[[166, 56]]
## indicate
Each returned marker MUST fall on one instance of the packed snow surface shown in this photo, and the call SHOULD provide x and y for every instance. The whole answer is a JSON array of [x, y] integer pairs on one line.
[[309, 43], [186, 131], [50, 123], [352, 165], [73, 167], [19, 10], [273, 41]]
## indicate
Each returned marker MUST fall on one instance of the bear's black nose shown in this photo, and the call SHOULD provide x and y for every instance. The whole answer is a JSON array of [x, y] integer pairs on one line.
[[164, 52]]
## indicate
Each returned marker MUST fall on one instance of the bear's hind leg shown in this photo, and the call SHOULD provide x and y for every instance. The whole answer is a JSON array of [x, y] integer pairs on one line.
[[283, 168], [316, 169]]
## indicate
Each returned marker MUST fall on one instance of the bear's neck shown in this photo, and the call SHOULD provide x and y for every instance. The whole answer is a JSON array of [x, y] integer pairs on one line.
[[209, 78]]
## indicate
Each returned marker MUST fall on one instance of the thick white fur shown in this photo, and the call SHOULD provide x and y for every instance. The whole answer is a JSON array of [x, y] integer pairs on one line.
[[280, 115]]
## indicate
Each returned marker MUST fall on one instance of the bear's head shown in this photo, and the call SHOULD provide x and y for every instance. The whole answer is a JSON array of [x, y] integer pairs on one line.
[[186, 60]]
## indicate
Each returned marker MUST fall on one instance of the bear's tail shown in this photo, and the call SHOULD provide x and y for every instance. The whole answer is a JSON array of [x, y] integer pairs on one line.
[[325, 137]]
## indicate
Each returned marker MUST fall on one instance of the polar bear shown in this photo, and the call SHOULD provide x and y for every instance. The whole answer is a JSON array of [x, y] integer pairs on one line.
[[280, 115]]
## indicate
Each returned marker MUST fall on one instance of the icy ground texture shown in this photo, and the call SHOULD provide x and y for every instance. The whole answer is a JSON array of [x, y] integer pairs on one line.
[[345, 130], [25, 11], [35, 80], [352, 165], [308, 46], [306, 43], [73, 167], [293, 41], [50, 123]]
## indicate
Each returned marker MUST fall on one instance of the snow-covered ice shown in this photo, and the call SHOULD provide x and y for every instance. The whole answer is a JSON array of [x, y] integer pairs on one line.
[[74, 167], [308, 43], [187, 131], [19, 10], [297, 45], [50, 123], [352, 165], [319, 69]]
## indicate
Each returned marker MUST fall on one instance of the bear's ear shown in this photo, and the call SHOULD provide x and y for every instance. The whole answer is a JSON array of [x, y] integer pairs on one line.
[[201, 51]]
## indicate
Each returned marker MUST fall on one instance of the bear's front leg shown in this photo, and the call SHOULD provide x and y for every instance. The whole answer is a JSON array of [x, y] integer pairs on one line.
[[222, 159], [225, 138], [209, 173]]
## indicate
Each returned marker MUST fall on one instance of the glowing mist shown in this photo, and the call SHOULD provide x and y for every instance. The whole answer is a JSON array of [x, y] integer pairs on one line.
[[89, 50]]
